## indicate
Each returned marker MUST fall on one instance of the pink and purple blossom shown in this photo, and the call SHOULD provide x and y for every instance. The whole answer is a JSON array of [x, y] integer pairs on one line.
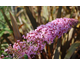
[[37, 39]]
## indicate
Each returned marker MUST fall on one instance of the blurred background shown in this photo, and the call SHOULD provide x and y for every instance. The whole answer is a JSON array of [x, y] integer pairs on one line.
[[16, 21]]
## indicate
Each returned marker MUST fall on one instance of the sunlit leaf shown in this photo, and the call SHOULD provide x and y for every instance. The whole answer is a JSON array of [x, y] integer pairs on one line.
[[78, 25], [45, 12]]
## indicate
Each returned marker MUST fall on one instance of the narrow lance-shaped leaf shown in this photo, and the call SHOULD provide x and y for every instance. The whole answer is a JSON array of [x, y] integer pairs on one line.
[[5, 36], [6, 19], [65, 46], [1, 32], [16, 32], [49, 52], [57, 52], [32, 10], [70, 35], [45, 13], [0, 45], [71, 50], [51, 13], [43, 54], [6, 58], [72, 13], [49, 49], [32, 19], [39, 14], [59, 12]]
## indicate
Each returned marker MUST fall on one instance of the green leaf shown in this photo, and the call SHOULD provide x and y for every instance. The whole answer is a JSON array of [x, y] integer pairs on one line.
[[71, 50], [6, 19], [6, 58], [1, 51], [7, 29], [1, 32], [1, 7], [4, 43], [25, 56]]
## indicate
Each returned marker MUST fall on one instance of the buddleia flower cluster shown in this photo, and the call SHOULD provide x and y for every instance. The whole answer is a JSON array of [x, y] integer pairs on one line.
[[38, 38]]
